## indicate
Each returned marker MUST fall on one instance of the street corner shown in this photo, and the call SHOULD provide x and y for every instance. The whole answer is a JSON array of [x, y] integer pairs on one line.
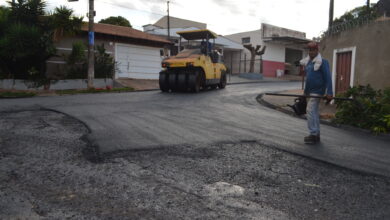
[[284, 103]]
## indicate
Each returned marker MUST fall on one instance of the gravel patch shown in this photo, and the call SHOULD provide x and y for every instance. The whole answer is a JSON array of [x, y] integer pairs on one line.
[[45, 174]]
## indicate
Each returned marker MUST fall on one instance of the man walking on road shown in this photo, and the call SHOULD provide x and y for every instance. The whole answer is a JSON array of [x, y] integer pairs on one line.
[[318, 83]]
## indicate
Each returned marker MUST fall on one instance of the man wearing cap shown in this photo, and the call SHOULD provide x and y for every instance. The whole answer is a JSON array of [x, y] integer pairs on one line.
[[318, 83]]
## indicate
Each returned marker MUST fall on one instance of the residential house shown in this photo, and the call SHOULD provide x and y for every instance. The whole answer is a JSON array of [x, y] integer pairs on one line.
[[178, 23], [137, 54], [283, 48], [359, 55], [227, 47]]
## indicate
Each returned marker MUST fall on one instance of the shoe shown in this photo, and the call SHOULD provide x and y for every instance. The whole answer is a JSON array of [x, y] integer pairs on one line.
[[311, 139]]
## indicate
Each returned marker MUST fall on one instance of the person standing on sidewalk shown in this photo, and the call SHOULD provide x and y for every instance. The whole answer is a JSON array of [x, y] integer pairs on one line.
[[318, 83]]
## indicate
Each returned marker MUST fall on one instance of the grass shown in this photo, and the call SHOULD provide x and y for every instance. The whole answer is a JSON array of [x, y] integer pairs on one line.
[[78, 91], [19, 94]]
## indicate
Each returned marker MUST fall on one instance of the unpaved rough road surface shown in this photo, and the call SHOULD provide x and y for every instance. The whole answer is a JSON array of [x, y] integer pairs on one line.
[[44, 174]]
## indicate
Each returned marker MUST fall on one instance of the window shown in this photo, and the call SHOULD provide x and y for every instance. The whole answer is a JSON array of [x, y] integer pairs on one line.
[[245, 40]]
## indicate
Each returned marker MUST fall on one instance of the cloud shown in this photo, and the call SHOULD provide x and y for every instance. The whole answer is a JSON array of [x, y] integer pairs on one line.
[[252, 12], [222, 16], [119, 3], [233, 7], [157, 10]]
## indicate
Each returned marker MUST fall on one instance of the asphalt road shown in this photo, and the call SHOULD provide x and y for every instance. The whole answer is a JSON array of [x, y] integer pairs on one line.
[[126, 122], [44, 175]]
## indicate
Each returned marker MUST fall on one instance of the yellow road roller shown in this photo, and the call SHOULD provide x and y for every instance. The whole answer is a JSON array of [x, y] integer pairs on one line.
[[198, 66]]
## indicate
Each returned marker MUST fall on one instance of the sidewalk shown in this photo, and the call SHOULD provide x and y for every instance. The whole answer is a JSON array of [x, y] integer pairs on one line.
[[138, 84], [327, 112]]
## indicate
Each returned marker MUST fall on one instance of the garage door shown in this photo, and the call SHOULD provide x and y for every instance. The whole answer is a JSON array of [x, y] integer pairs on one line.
[[137, 62]]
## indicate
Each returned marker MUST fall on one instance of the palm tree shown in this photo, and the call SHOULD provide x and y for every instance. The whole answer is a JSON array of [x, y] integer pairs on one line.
[[26, 38], [63, 22], [24, 46], [27, 11]]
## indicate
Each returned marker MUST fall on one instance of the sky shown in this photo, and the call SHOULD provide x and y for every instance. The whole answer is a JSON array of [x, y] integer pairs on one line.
[[221, 16]]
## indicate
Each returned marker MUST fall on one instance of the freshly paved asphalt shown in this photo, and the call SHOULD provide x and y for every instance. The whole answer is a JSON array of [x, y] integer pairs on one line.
[[127, 122]]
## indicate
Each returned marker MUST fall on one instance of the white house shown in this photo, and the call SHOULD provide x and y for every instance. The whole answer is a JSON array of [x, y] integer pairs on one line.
[[137, 54], [283, 48], [227, 47]]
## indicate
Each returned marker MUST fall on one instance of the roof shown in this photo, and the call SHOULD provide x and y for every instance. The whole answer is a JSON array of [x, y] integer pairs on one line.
[[172, 31], [126, 32], [220, 40], [179, 23], [286, 39], [228, 43], [197, 34]]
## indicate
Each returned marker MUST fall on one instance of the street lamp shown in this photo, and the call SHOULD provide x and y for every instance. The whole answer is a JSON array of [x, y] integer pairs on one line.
[[91, 42]]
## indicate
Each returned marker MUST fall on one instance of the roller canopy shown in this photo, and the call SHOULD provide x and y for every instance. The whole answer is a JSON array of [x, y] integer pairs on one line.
[[197, 34]]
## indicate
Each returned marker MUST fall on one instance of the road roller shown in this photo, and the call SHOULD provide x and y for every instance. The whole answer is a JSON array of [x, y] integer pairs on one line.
[[199, 65]]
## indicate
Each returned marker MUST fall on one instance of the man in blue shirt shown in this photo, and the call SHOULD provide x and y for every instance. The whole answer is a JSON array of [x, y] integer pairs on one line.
[[318, 83]]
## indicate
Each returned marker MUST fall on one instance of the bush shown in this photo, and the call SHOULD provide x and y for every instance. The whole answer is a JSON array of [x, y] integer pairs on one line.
[[76, 62], [370, 110], [104, 63], [77, 66], [26, 39]]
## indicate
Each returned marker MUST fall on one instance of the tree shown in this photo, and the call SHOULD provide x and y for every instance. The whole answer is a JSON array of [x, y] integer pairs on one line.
[[63, 22], [119, 20], [356, 14], [259, 50], [24, 44], [26, 39], [383, 7]]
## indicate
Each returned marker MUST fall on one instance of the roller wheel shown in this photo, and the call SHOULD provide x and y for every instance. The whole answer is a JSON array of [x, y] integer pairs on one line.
[[194, 81], [172, 79], [182, 81], [222, 83], [163, 81]]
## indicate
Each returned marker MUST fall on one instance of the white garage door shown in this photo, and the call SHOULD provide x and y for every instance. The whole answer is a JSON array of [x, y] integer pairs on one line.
[[137, 62]]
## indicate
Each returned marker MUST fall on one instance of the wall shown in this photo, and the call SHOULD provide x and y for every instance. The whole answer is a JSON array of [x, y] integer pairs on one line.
[[275, 31], [273, 57], [56, 65], [275, 52], [232, 61], [372, 64]]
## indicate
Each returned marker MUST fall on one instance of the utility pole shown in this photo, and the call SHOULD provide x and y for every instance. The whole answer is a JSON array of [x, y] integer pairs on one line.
[[91, 42], [169, 34], [331, 8]]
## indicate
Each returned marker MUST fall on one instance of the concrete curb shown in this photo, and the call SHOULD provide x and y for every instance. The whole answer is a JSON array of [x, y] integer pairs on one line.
[[18, 97], [239, 83], [266, 81], [261, 101]]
